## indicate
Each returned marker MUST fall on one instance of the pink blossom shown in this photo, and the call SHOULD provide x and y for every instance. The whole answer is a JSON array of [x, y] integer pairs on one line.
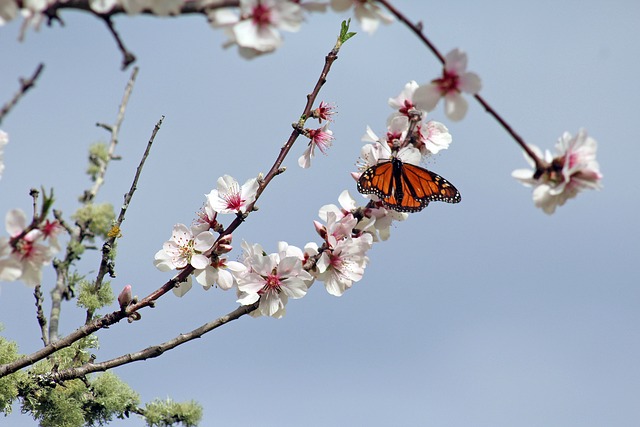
[[574, 168], [321, 138], [229, 197], [455, 80]]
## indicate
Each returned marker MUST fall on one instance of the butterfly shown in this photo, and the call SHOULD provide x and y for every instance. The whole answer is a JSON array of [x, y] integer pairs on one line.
[[405, 187]]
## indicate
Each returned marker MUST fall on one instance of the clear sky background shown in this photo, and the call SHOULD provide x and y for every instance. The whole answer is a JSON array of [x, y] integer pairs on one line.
[[485, 313]]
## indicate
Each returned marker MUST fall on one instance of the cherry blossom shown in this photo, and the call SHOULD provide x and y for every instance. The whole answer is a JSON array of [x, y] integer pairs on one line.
[[215, 273], [344, 264], [455, 80], [184, 248], [271, 279], [229, 197], [257, 29], [324, 112], [25, 252], [574, 168], [205, 219], [321, 138], [367, 12]]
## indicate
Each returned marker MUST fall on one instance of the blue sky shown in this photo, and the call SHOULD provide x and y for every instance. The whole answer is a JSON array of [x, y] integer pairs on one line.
[[485, 313]]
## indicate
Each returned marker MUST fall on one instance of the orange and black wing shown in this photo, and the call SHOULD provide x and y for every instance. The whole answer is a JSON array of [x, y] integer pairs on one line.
[[404, 187], [378, 180], [427, 186]]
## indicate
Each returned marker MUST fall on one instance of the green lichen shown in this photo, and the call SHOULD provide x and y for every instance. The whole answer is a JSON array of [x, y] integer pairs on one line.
[[166, 413]]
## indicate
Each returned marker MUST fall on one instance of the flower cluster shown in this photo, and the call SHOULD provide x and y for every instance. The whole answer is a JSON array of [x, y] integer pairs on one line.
[[27, 249], [409, 136], [197, 246], [272, 279], [574, 168]]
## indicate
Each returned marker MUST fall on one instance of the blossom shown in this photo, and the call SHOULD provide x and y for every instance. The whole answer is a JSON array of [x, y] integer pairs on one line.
[[272, 279], [4, 140], [376, 221], [574, 168], [347, 203], [26, 255], [206, 219], [184, 248], [321, 138], [344, 264], [215, 273], [229, 197], [10, 267], [403, 103], [324, 112], [257, 29], [455, 79], [367, 12], [433, 137]]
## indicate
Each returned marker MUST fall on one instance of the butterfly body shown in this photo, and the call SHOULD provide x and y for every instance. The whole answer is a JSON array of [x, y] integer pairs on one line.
[[405, 187]]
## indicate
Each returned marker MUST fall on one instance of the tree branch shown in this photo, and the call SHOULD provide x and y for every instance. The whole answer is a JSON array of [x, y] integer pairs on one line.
[[42, 320], [331, 57], [149, 352], [25, 85], [114, 131], [417, 30], [106, 264]]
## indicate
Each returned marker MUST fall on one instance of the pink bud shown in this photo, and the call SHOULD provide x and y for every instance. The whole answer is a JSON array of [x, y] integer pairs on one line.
[[321, 229], [125, 297], [224, 249]]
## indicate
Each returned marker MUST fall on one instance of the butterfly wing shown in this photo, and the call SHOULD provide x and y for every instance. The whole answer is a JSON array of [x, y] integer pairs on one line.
[[404, 187], [378, 180], [428, 186]]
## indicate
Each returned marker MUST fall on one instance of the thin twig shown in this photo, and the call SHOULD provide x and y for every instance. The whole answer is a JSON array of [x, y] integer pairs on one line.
[[80, 232], [417, 30], [187, 8], [25, 85], [297, 130], [128, 58], [42, 320], [114, 131], [150, 352], [106, 264]]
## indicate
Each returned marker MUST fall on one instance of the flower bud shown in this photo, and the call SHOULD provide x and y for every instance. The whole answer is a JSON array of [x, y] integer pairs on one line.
[[125, 297]]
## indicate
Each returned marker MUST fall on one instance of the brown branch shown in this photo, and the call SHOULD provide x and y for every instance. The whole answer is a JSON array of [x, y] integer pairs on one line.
[[128, 58], [25, 85], [187, 8], [42, 320], [106, 264], [113, 130], [416, 28], [297, 131], [149, 352]]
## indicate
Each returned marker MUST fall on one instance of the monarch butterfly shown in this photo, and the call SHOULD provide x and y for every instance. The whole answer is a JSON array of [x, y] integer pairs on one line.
[[404, 187]]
